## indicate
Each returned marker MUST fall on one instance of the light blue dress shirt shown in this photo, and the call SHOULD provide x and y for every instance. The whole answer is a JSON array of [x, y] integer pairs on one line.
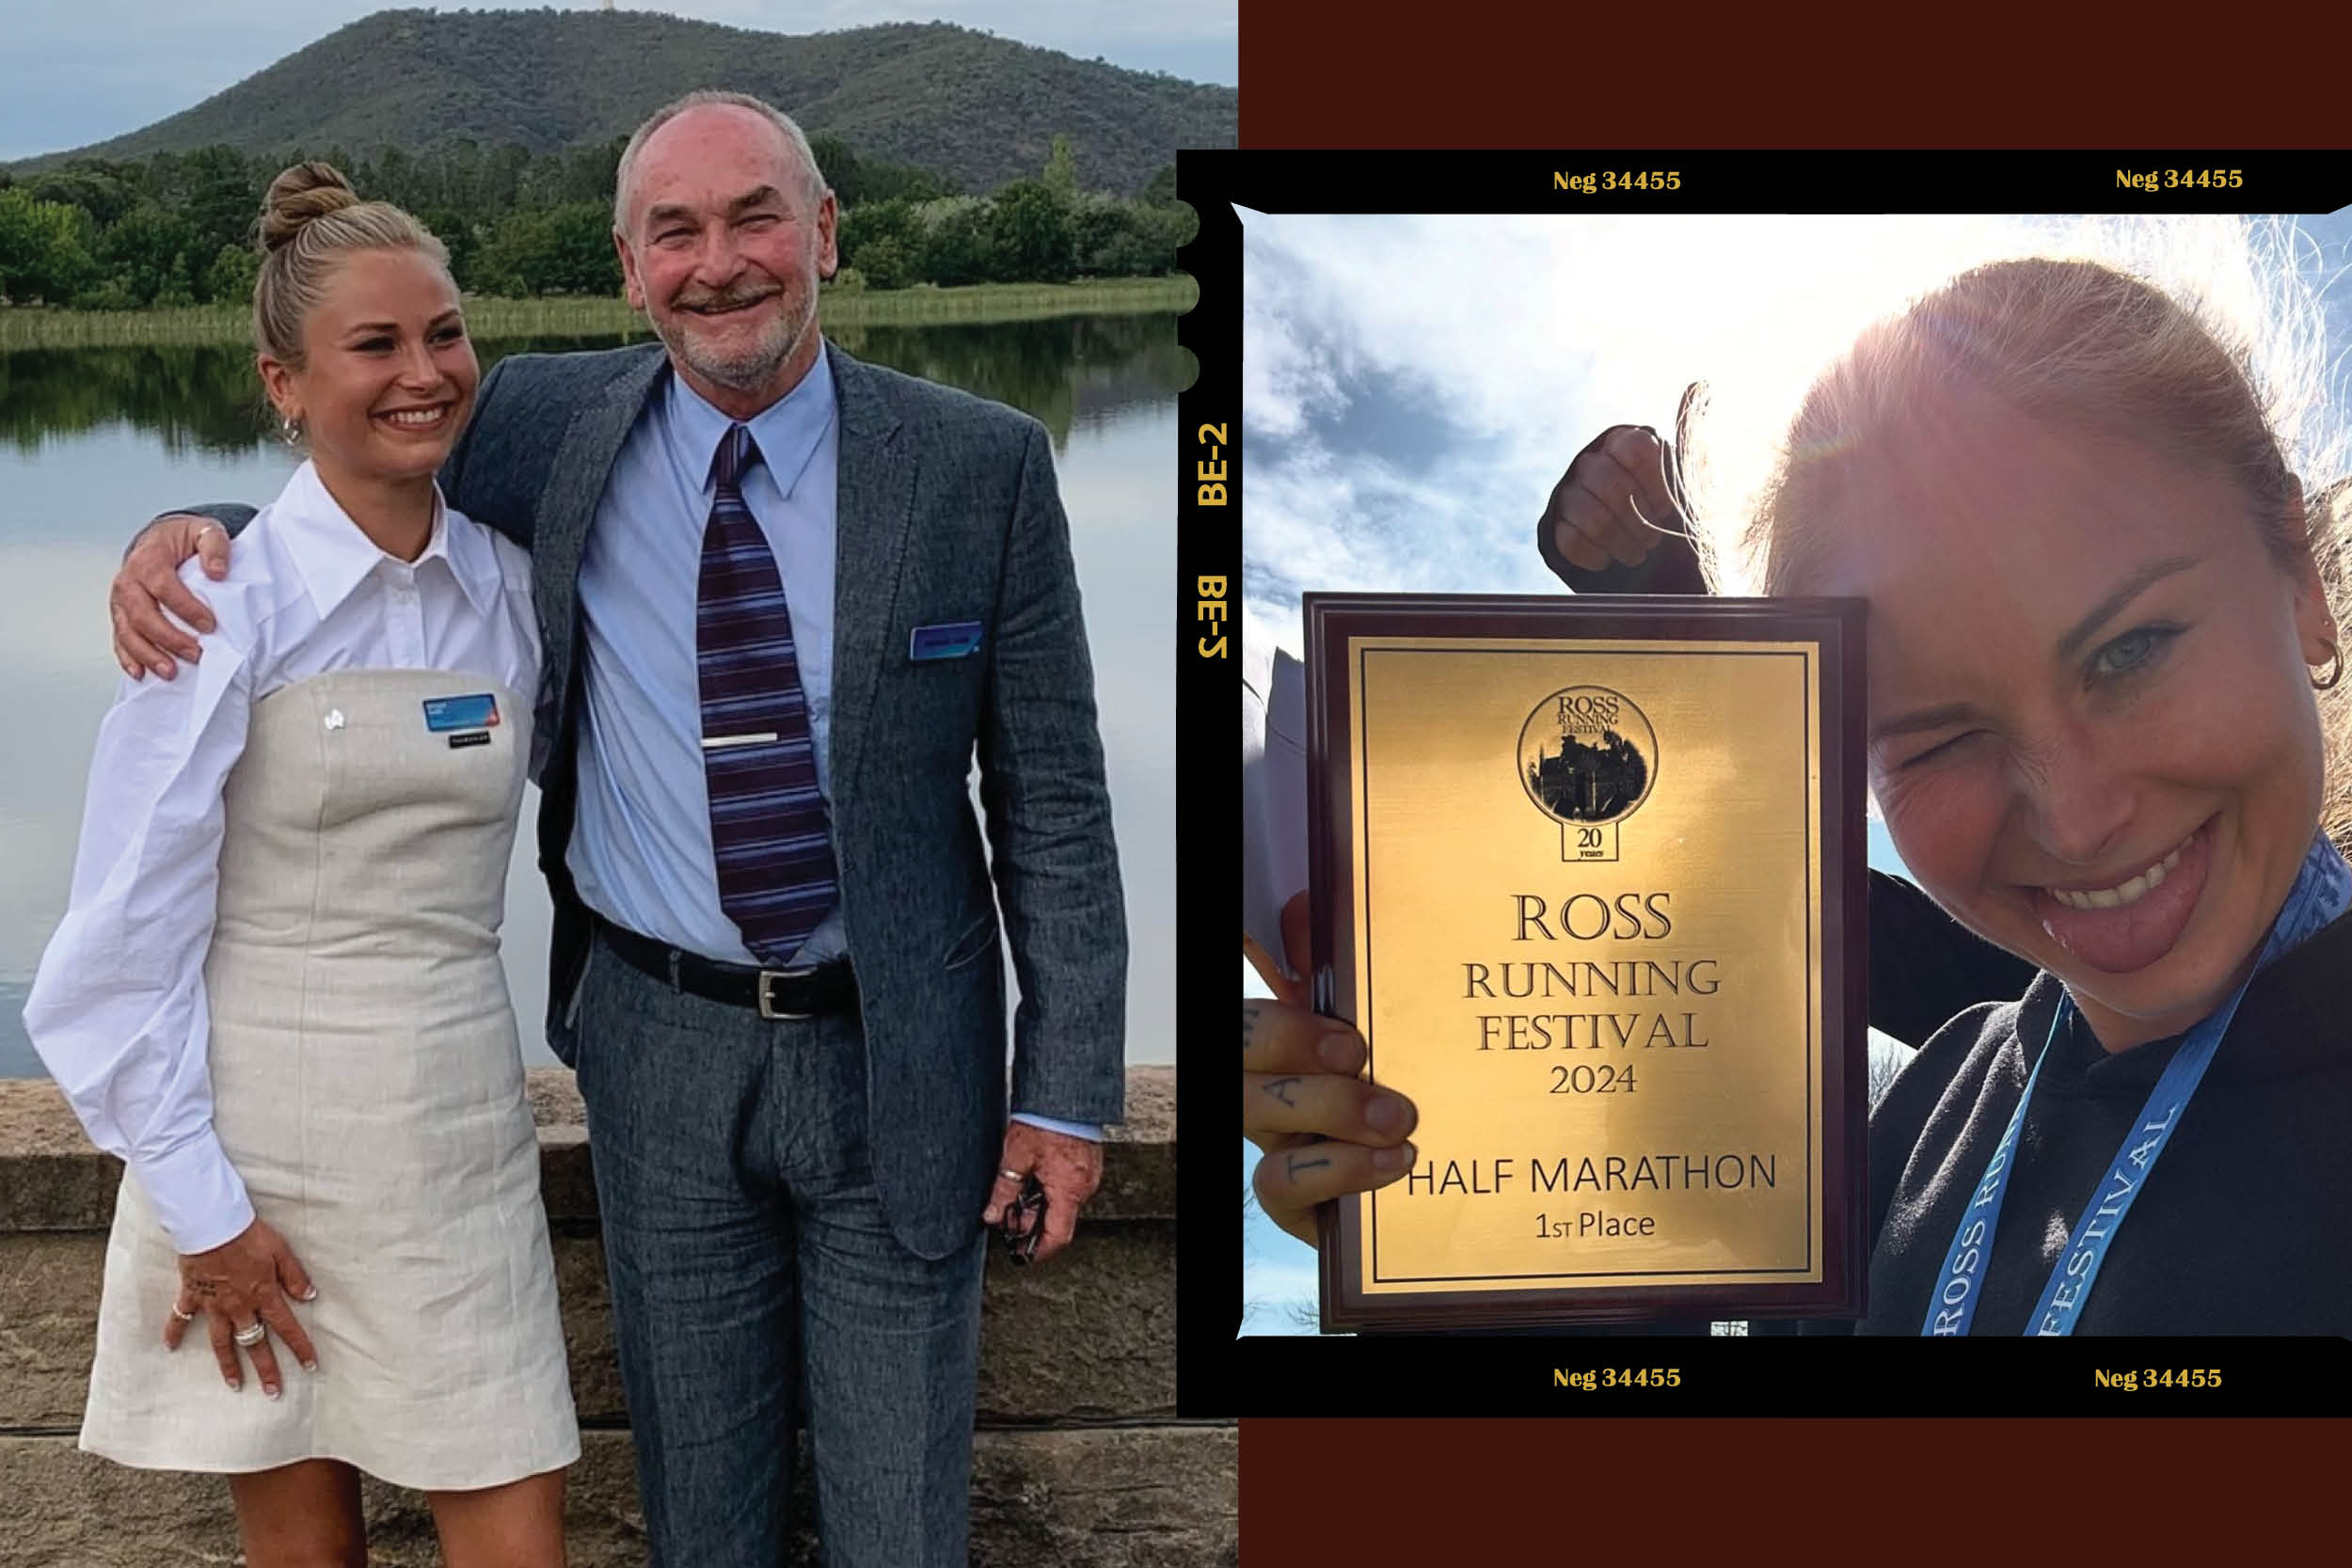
[[640, 851]]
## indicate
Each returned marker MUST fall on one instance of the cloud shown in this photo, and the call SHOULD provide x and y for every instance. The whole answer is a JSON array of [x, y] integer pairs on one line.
[[1387, 405], [1414, 386]]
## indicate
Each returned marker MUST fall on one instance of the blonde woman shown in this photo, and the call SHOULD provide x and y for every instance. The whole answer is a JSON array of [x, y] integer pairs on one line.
[[276, 993], [2100, 630]]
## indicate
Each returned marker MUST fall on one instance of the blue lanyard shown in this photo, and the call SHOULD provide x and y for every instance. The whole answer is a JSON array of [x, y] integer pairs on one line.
[[2322, 891]]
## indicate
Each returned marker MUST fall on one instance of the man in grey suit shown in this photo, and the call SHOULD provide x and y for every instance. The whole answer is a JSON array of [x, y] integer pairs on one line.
[[794, 1157]]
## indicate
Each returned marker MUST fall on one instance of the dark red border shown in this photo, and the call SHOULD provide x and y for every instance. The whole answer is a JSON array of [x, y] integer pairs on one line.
[[1380, 75], [1757, 1490], [1375, 75]]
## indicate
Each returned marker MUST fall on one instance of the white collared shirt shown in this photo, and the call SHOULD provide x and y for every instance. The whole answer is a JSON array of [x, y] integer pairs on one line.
[[117, 1011]]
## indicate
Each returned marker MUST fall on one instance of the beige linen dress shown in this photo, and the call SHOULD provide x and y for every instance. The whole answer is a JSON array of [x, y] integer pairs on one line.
[[367, 1085]]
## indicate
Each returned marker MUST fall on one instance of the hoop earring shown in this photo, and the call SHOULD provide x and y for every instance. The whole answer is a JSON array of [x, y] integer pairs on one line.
[[2334, 668], [289, 431]]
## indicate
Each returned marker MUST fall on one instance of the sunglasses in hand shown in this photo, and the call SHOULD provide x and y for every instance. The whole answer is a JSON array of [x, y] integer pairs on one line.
[[1024, 1225]]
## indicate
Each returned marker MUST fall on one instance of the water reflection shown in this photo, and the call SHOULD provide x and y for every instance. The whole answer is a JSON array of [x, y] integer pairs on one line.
[[1064, 372], [93, 440], [204, 399]]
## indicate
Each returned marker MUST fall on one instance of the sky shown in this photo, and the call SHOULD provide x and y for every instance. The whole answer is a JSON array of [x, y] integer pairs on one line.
[[1406, 437], [72, 75]]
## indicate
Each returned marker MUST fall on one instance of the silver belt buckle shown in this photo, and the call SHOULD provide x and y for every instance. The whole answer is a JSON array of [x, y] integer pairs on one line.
[[767, 1006]]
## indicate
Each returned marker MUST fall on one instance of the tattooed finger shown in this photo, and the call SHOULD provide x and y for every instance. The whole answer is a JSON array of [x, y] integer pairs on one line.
[[1278, 1039], [1323, 1104], [1289, 1182]]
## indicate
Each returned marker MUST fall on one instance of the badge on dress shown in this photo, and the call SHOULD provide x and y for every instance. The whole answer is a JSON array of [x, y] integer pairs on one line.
[[478, 711], [466, 720]]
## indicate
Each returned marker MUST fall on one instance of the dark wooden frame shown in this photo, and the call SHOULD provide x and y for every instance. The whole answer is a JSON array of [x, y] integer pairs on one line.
[[1835, 628]]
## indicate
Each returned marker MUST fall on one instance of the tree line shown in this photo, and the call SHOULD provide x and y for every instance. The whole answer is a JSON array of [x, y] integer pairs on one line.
[[179, 229]]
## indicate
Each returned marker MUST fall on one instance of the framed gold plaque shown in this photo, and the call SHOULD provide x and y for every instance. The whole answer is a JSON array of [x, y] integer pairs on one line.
[[1588, 877]]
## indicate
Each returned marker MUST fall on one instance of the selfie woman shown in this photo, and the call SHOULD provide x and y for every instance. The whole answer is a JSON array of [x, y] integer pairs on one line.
[[277, 991], [2099, 627], [2100, 637]]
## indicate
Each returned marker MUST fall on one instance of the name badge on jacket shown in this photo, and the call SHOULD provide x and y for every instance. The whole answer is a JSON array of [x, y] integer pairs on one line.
[[954, 640]]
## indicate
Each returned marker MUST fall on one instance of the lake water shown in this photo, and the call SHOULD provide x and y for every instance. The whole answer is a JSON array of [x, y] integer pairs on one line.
[[94, 441]]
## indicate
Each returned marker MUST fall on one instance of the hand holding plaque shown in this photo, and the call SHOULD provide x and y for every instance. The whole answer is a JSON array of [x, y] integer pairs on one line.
[[1588, 883], [1323, 1132]]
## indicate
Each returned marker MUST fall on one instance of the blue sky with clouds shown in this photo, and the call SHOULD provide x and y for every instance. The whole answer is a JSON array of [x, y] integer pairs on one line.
[[1413, 387], [71, 75]]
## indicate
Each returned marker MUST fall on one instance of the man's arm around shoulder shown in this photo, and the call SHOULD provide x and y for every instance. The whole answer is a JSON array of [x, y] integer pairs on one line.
[[148, 584]]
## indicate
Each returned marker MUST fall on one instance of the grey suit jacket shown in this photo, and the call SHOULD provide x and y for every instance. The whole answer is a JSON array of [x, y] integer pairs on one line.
[[947, 511]]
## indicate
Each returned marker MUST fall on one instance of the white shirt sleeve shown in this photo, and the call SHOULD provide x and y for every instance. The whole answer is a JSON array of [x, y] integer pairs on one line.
[[117, 1011], [1273, 787]]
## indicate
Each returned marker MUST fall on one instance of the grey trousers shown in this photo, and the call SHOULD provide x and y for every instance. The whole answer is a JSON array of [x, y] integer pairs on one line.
[[750, 1262]]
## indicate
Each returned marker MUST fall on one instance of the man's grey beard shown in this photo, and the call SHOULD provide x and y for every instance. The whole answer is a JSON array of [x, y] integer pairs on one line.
[[756, 369]]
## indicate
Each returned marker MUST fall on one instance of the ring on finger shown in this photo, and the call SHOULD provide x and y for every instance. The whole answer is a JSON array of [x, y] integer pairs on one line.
[[1010, 1175], [183, 1317], [251, 1334]]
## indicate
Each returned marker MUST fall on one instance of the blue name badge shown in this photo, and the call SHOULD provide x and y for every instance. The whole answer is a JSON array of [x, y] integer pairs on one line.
[[443, 714], [954, 640]]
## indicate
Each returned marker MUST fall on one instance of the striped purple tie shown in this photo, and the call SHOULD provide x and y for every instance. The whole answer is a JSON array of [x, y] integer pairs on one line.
[[776, 878]]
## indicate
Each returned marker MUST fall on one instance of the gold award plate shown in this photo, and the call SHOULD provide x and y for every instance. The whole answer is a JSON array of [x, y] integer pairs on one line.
[[1584, 872]]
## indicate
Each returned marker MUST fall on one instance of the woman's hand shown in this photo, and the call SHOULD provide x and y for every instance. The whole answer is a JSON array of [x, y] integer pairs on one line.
[[245, 1281], [1613, 506], [1326, 1131], [148, 584]]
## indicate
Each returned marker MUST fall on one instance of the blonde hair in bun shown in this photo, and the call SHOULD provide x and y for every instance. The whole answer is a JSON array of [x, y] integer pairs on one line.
[[309, 218]]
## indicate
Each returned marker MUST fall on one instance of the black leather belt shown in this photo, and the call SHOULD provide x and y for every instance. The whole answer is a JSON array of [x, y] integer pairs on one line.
[[812, 992]]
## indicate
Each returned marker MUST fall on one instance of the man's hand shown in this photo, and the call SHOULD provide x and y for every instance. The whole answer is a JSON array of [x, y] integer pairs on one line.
[[1068, 1168], [1324, 1131], [148, 584]]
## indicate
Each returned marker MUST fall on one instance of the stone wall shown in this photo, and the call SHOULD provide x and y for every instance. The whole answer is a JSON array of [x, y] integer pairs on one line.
[[1080, 1457]]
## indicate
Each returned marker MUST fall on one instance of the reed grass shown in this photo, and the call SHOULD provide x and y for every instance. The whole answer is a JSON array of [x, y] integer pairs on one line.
[[32, 327]]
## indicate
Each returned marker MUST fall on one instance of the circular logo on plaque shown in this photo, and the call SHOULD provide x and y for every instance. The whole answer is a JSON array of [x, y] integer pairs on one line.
[[1587, 755]]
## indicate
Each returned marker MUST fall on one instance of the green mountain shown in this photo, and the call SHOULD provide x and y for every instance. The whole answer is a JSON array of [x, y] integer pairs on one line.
[[977, 109]]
